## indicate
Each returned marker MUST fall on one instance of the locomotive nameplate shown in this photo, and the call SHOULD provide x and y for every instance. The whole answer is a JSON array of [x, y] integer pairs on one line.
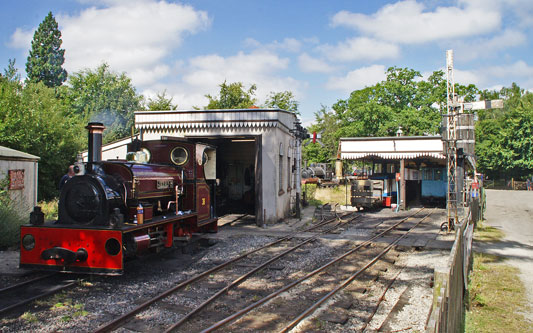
[[164, 184]]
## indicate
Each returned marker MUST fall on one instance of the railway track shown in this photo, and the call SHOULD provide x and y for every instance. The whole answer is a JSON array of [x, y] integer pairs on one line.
[[211, 308], [313, 289], [320, 228], [18, 295]]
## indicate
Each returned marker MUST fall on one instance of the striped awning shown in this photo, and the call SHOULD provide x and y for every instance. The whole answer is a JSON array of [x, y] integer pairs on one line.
[[392, 148], [391, 156]]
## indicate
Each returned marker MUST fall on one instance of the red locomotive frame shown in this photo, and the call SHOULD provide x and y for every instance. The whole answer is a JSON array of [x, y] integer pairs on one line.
[[168, 187]]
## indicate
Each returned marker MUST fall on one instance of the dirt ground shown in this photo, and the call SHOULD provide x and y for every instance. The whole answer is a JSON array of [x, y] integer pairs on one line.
[[511, 211]]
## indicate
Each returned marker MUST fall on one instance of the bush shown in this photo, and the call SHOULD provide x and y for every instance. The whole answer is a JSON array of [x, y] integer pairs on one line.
[[10, 217], [49, 208]]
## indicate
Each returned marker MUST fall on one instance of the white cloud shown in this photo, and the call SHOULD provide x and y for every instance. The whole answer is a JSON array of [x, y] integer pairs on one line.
[[410, 22], [357, 79], [21, 39], [487, 47], [490, 77], [360, 48], [309, 64], [523, 9], [131, 36], [203, 74], [519, 69], [466, 77]]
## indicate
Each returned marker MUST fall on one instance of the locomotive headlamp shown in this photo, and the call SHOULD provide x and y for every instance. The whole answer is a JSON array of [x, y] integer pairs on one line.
[[28, 242], [142, 156]]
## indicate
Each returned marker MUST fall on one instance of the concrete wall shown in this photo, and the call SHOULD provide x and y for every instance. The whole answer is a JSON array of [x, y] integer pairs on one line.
[[26, 197]]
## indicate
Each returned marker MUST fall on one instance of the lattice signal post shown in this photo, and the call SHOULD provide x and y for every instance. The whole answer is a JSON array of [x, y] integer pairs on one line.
[[453, 109]]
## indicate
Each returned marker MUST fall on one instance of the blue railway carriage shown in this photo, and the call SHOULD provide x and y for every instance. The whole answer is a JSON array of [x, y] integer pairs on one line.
[[434, 185]]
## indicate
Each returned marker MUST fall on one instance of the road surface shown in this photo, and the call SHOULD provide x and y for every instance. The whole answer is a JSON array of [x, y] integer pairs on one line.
[[512, 212]]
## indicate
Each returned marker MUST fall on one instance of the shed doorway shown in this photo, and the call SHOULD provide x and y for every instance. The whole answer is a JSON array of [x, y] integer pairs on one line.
[[238, 174]]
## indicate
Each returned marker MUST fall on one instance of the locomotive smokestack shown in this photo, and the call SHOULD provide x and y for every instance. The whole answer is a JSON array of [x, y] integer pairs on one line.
[[95, 141]]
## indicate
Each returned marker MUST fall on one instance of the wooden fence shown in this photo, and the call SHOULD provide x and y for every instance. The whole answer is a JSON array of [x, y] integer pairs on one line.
[[451, 279]]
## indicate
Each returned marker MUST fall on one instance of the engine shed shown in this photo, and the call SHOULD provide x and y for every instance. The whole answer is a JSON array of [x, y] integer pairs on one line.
[[416, 165], [257, 158]]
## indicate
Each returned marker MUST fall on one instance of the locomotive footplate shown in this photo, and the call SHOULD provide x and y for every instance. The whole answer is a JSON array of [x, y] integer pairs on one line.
[[157, 221]]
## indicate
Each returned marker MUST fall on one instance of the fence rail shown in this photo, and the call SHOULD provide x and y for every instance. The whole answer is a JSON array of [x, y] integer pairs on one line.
[[451, 279]]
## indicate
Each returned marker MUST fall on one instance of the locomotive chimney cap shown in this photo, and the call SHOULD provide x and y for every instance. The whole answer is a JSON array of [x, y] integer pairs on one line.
[[95, 127]]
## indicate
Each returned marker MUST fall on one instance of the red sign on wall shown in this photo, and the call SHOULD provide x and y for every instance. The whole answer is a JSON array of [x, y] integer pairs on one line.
[[16, 179]]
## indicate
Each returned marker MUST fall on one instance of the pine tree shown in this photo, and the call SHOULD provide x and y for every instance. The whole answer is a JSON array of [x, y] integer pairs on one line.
[[46, 56]]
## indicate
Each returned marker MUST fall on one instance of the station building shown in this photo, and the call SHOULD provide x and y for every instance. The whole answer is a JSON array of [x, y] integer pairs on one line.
[[257, 158], [416, 163]]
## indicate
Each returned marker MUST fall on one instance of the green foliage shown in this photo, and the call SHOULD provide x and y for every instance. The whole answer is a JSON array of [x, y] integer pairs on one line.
[[46, 56], [282, 100], [161, 103], [11, 72], [232, 96], [104, 96], [504, 138], [10, 216], [29, 317], [327, 125], [35, 120], [402, 99], [50, 209]]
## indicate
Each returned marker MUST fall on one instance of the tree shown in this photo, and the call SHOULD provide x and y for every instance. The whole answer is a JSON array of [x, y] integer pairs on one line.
[[282, 100], [161, 102], [327, 125], [11, 72], [34, 120], [46, 56], [104, 96], [402, 99], [232, 96], [504, 137]]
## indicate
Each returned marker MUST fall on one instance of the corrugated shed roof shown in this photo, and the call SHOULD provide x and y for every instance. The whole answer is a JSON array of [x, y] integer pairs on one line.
[[8, 153]]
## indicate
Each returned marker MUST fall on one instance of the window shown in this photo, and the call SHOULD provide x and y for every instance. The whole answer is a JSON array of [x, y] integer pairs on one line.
[[280, 170], [288, 173], [179, 156]]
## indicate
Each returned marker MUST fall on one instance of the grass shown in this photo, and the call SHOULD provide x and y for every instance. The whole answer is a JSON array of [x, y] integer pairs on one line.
[[487, 234], [11, 217], [321, 195], [496, 297], [333, 194], [29, 317]]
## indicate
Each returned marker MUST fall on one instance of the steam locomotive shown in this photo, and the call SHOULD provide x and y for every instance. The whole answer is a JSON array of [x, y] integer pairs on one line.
[[112, 210]]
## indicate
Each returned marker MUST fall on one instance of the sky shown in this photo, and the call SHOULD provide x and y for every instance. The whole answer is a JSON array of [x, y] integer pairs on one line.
[[319, 50]]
